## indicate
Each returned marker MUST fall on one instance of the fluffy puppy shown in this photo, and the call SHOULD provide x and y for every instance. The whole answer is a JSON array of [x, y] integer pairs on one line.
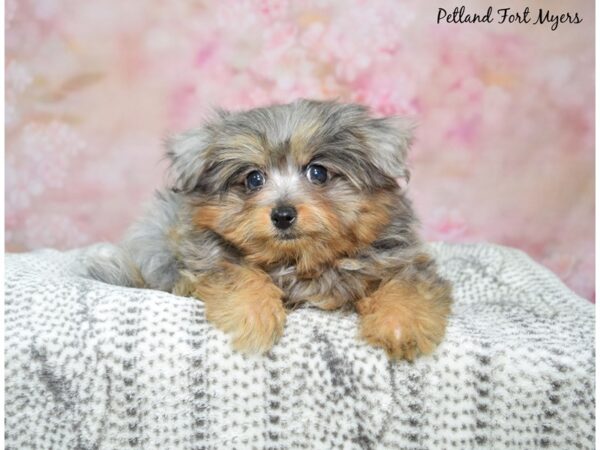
[[291, 203]]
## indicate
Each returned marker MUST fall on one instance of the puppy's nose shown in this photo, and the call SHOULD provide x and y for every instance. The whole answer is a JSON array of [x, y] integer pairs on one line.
[[283, 216]]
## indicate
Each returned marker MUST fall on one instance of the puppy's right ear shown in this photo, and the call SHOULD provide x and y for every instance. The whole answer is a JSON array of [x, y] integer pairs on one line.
[[187, 152]]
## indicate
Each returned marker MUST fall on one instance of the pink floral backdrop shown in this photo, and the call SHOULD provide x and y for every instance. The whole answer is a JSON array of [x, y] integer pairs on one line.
[[504, 152]]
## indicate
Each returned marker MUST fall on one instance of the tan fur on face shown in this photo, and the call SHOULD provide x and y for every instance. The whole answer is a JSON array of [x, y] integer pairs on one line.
[[406, 318], [301, 136], [244, 303], [324, 235]]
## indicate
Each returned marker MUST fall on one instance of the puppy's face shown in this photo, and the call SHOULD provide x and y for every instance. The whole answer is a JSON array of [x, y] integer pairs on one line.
[[300, 184]]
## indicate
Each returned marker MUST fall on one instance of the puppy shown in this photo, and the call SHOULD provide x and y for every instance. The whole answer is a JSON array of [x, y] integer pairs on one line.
[[293, 203]]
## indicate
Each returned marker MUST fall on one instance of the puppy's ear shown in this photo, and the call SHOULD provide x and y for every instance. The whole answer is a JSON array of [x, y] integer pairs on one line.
[[188, 153], [390, 139]]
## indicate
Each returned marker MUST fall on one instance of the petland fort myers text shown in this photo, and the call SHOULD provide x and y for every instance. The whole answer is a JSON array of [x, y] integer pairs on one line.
[[526, 15]]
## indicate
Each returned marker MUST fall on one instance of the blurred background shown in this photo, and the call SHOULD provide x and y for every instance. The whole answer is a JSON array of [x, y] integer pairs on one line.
[[504, 151]]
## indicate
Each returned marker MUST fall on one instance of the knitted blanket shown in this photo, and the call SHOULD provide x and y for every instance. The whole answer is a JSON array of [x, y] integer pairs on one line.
[[94, 366]]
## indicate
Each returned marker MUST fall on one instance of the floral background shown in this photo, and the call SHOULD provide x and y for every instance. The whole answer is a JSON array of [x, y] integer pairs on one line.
[[504, 152]]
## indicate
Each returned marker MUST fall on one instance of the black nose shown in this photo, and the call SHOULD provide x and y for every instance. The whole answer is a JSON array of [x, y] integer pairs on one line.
[[283, 216]]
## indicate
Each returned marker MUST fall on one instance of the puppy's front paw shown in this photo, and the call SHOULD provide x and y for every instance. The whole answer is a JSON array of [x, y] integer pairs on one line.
[[390, 329], [255, 324], [251, 312], [406, 320]]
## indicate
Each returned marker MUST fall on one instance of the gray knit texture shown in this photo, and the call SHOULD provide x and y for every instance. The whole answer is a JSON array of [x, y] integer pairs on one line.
[[94, 366]]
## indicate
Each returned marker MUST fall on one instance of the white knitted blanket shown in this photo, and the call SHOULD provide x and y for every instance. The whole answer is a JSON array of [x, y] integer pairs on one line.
[[94, 366]]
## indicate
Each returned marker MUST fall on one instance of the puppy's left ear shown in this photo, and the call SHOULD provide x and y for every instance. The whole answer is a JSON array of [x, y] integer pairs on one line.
[[390, 139], [188, 152]]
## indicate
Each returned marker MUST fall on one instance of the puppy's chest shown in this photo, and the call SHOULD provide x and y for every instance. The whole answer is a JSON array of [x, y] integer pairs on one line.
[[330, 289]]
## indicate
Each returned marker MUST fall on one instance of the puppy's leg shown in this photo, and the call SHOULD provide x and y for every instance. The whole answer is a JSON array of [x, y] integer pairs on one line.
[[244, 303], [406, 316]]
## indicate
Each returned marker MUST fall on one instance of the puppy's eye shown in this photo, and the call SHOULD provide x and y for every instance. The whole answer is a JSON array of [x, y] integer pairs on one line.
[[316, 174], [255, 180]]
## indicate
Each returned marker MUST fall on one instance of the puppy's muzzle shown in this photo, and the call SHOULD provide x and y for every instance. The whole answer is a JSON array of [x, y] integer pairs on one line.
[[283, 216]]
